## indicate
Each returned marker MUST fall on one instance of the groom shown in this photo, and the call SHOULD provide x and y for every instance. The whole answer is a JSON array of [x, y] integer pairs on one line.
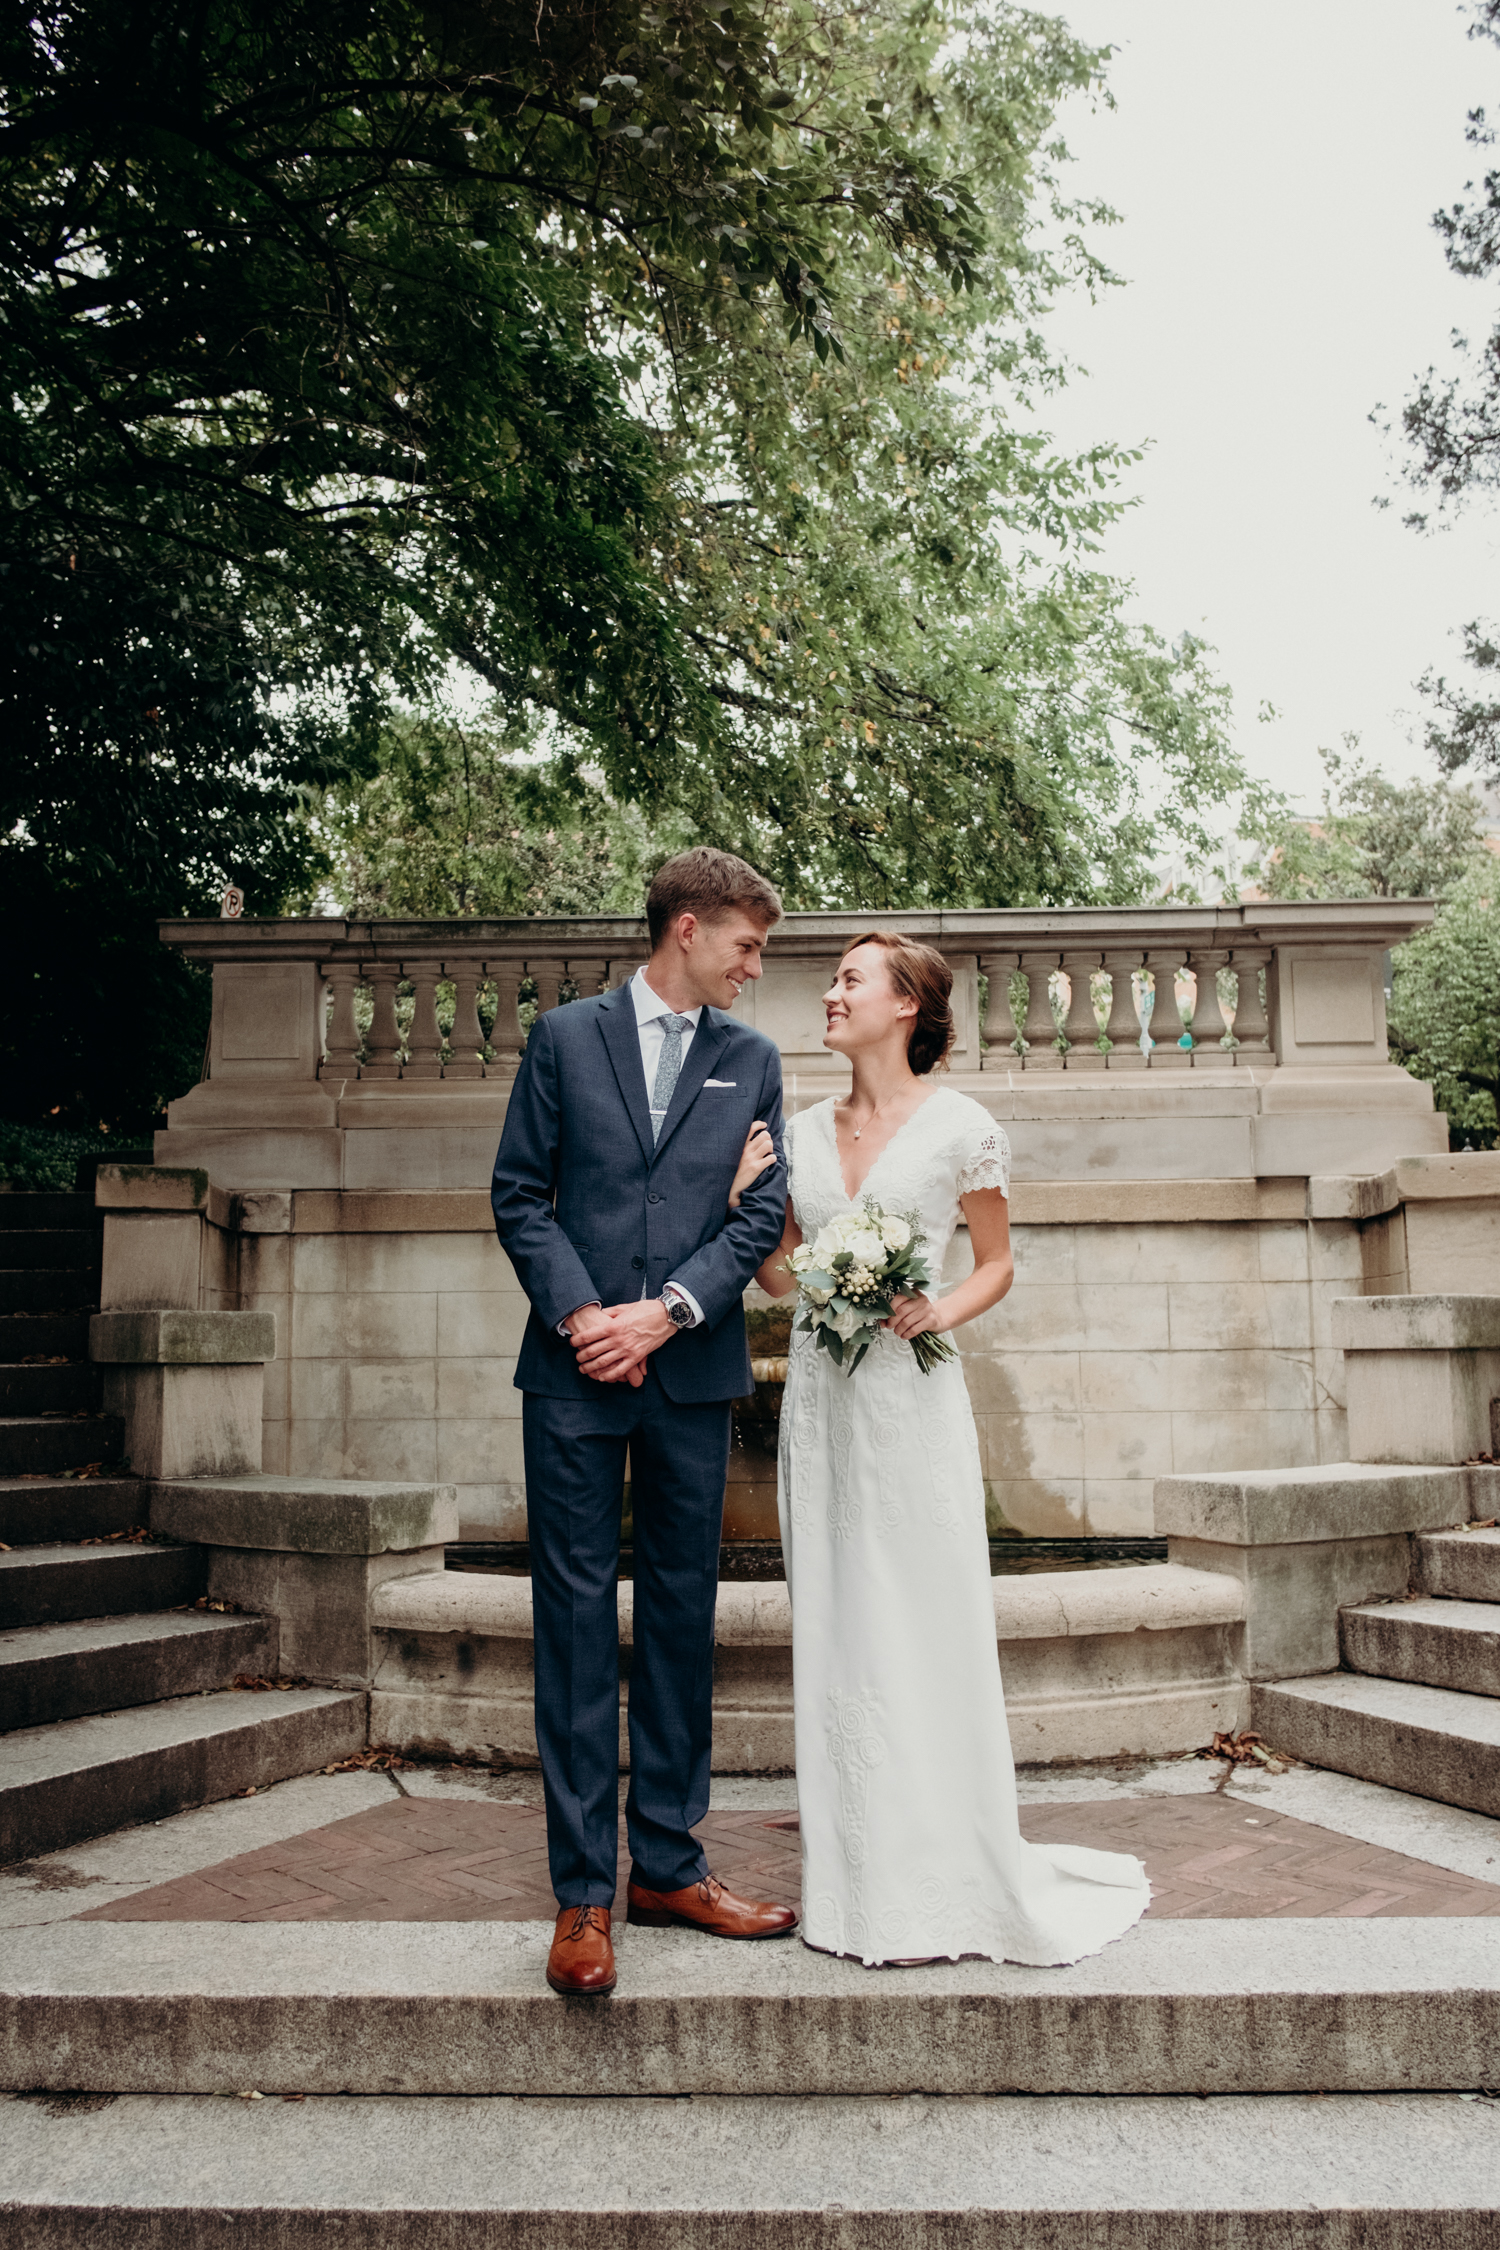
[[624, 1132]]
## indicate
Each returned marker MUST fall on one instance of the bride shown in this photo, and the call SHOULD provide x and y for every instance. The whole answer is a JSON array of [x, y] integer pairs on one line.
[[911, 1848]]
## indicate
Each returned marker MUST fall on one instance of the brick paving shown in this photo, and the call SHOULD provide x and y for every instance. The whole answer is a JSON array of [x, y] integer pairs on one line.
[[430, 1860]]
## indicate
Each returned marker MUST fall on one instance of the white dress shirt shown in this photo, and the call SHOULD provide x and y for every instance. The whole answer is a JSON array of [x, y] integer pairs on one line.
[[649, 1012]]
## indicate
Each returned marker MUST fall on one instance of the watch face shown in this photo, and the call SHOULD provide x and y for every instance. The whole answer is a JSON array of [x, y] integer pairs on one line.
[[679, 1314]]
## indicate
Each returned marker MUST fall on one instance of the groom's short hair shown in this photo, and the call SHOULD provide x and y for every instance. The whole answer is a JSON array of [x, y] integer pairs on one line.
[[709, 884]]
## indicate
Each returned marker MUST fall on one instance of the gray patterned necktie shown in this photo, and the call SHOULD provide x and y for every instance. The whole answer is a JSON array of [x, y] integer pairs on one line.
[[668, 1069]]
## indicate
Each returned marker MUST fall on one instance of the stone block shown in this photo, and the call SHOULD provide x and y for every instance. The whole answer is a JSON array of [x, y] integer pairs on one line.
[[1453, 1245], [307, 1515], [487, 1324], [1127, 1445], [394, 1326], [1430, 1741], [152, 1258], [1292, 1593], [392, 1389], [188, 1421], [182, 1339], [1276, 1507], [1435, 1323], [465, 1263], [470, 1390], [391, 1448], [321, 1602], [160, 1187], [1421, 1405], [1225, 1439], [320, 1264]]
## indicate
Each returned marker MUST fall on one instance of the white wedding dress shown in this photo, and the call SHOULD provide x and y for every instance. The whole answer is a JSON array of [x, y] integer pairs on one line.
[[905, 1781]]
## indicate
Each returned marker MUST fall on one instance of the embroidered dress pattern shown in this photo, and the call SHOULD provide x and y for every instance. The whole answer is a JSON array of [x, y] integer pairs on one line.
[[911, 1843]]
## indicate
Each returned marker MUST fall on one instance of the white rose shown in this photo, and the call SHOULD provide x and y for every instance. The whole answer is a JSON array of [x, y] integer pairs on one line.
[[867, 1249], [801, 1259], [846, 1324], [895, 1233], [819, 1296]]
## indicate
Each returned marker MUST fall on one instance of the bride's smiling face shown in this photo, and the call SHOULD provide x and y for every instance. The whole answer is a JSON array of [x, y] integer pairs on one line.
[[862, 1005]]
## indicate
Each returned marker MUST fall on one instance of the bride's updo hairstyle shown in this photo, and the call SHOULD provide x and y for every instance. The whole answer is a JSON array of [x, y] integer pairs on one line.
[[918, 972]]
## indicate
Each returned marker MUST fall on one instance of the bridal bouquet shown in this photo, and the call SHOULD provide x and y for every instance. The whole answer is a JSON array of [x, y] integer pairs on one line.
[[847, 1278]]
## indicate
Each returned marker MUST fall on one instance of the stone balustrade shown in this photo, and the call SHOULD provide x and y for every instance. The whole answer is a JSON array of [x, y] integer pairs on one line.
[[1131, 1043]]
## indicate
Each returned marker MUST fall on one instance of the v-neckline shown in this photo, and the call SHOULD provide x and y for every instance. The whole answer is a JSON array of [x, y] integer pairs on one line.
[[838, 1161]]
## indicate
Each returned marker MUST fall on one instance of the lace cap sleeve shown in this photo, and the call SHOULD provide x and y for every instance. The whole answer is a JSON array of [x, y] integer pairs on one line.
[[985, 1160]]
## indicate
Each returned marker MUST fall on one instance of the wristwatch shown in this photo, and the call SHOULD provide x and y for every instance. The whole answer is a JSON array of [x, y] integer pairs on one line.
[[676, 1308]]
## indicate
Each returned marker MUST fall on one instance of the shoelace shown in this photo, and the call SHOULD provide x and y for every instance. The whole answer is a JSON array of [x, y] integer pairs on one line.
[[710, 1890], [583, 1919]]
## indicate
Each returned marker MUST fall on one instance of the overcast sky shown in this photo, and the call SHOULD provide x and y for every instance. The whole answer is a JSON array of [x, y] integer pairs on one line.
[[1276, 169]]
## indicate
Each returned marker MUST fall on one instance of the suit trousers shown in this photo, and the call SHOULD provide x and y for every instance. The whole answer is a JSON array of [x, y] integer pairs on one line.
[[575, 1476]]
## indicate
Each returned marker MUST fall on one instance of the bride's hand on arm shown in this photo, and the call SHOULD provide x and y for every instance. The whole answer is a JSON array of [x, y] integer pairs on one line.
[[773, 1277], [988, 1216], [759, 1155]]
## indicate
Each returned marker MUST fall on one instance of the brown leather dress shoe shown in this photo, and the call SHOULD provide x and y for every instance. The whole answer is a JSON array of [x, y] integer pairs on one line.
[[582, 1960], [707, 1906]]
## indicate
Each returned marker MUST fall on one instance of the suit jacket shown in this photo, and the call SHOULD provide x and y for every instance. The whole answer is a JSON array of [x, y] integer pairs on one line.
[[586, 1207]]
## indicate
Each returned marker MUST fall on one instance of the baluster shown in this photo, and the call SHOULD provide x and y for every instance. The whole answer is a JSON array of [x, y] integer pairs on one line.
[[383, 1044], [424, 1037], [341, 1048], [1251, 1028], [588, 977], [1166, 1017], [465, 1057], [999, 1031], [1040, 1028], [1208, 1026], [1123, 1030], [1081, 1025], [506, 1038], [547, 976]]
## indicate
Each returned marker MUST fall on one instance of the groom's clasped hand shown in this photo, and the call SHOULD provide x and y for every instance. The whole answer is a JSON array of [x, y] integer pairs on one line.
[[613, 1342]]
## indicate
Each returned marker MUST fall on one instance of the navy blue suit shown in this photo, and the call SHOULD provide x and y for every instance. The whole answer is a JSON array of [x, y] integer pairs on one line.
[[586, 1207]]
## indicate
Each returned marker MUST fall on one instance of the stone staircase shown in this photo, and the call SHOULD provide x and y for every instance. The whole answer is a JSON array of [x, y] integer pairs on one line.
[[1417, 1705], [422, 2088], [116, 1703]]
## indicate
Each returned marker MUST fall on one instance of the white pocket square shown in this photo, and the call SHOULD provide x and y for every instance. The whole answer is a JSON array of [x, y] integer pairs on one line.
[[730, 1082]]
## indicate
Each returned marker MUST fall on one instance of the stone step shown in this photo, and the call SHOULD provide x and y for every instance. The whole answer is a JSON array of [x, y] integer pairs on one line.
[[83, 1777], [47, 1585], [68, 1249], [46, 1292], [1432, 1742], [51, 1333], [45, 1443], [1063, 2172], [52, 1672], [26, 1212], [43, 1511], [1259, 2006], [48, 1390], [1446, 1644], [1462, 1565]]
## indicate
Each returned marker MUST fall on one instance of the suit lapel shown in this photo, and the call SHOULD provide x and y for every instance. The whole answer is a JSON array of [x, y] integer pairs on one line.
[[622, 1040], [709, 1042]]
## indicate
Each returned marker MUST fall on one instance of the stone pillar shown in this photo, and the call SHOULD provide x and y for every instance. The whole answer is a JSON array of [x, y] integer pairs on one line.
[[1123, 1030], [310, 1551], [188, 1386], [999, 1028], [1166, 1019], [1039, 1031], [341, 1045], [424, 1041], [383, 1042], [506, 1039], [1252, 1027], [465, 1056], [1208, 1026], [1423, 1376], [1081, 1025]]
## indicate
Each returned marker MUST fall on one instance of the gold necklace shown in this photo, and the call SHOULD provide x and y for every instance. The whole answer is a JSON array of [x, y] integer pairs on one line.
[[875, 1112]]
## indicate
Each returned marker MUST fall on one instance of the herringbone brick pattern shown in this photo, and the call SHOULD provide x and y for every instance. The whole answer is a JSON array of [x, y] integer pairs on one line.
[[435, 1860]]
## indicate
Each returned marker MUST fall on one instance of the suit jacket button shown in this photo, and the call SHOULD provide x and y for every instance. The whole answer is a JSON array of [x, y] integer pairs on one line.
[[653, 1197], [639, 1264]]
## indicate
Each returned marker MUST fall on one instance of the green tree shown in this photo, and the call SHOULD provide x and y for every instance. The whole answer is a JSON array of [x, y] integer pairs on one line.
[[1445, 1006], [1452, 423], [467, 817], [1373, 838]]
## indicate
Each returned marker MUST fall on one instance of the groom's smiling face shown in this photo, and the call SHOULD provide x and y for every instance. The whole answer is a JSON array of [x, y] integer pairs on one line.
[[717, 957]]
